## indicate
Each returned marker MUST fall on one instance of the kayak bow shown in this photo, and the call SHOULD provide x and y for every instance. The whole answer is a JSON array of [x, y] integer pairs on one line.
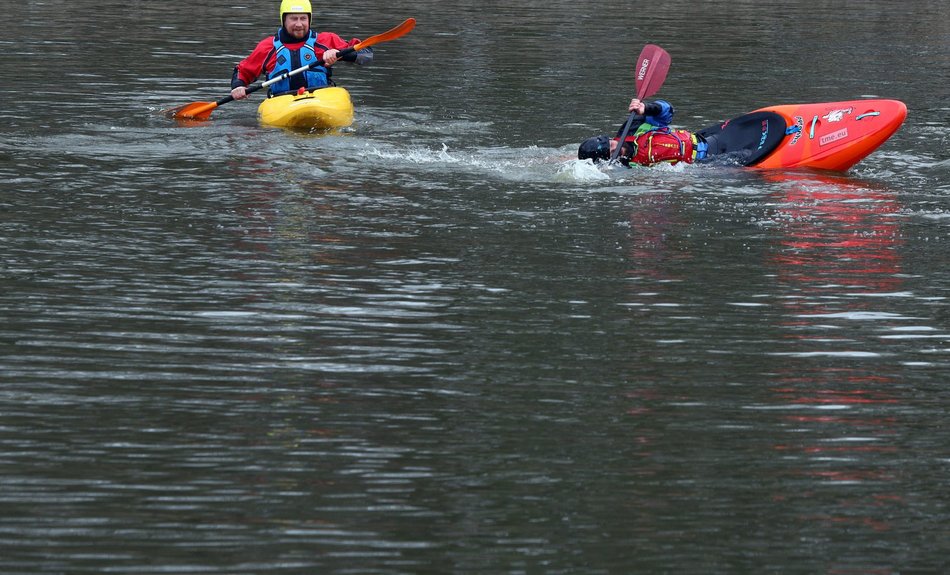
[[324, 109]]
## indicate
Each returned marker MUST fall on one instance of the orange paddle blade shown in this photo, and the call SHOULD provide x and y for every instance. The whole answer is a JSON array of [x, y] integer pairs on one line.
[[397, 32], [193, 111]]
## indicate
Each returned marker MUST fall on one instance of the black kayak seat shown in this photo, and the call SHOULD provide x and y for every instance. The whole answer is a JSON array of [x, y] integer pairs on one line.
[[747, 139]]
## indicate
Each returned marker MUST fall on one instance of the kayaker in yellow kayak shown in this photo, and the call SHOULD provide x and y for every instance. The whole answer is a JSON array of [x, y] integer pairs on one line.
[[295, 45]]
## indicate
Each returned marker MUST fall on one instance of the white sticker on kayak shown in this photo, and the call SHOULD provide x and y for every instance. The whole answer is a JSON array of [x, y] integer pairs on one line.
[[837, 115], [833, 137]]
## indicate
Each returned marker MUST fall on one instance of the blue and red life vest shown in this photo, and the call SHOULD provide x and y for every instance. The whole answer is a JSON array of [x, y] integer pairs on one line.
[[286, 60], [653, 141], [652, 145]]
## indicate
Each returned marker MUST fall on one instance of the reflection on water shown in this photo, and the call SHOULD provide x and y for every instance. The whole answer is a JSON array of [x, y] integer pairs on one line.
[[839, 234], [822, 425], [838, 257]]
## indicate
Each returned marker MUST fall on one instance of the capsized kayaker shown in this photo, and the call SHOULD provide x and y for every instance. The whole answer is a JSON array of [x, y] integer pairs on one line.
[[650, 140], [295, 45]]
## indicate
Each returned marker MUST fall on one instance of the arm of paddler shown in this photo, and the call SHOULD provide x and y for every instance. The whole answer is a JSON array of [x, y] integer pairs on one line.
[[361, 57], [652, 109], [238, 87], [244, 72], [336, 44]]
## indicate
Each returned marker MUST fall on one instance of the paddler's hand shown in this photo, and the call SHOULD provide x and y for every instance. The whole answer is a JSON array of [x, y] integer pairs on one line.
[[330, 57], [637, 106], [239, 93]]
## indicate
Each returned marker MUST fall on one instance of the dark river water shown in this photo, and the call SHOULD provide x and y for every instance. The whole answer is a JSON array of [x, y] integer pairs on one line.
[[434, 343]]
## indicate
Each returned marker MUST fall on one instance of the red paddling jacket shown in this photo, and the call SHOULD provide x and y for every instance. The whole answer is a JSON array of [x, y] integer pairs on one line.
[[281, 53]]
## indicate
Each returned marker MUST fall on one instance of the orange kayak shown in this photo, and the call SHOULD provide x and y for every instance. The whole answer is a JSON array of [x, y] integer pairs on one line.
[[827, 136]]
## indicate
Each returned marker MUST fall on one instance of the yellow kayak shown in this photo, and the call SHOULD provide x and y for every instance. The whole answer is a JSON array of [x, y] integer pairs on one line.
[[323, 109]]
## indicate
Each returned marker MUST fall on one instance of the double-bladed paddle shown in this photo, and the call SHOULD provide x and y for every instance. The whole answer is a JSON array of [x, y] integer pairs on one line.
[[652, 66], [202, 110]]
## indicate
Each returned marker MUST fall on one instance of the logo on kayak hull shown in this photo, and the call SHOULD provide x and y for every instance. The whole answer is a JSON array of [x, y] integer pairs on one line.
[[833, 137], [800, 125], [765, 134]]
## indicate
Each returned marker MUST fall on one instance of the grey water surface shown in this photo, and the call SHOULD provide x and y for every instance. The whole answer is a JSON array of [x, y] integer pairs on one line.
[[434, 343]]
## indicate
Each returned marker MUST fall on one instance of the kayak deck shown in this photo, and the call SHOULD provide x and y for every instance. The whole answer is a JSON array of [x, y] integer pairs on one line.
[[323, 109], [828, 136]]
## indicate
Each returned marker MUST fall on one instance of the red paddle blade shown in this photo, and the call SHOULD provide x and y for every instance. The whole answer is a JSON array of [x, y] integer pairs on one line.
[[652, 66], [192, 111]]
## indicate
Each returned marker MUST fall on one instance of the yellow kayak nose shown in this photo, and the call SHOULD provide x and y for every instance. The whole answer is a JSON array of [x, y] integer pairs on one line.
[[323, 109]]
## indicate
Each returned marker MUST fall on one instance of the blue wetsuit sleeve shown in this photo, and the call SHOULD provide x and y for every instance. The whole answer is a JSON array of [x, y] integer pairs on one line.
[[659, 113]]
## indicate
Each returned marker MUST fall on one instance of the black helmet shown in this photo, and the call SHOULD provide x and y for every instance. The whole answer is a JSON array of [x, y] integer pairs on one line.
[[596, 148]]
